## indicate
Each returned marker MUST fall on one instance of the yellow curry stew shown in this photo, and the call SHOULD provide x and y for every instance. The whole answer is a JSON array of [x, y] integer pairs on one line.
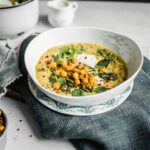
[[80, 69]]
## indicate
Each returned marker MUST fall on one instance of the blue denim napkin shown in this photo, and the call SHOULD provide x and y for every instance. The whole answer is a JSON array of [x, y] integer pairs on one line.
[[126, 127]]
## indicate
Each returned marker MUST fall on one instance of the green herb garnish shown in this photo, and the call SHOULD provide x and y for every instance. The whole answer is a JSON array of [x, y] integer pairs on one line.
[[67, 53], [102, 63], [108, 76], [52, 79], [78, 92], [99, 89], [61, 80]]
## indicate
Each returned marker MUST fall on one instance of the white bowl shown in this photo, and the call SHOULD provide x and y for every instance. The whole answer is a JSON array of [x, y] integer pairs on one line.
[[19, 18], [122, 45]]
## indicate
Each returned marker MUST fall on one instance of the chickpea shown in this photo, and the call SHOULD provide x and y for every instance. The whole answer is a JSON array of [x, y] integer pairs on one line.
[[80, 66], [75, 75], [90, 75], [53, 65], [82, 72], [85, 81], [81, 76], [56, 85], [58, 72], [2, 128], [92, 82], [76, 70], [68, 68], [86, 69], [71, 65], [63, 73], [75, 61], [77, 81], [89, 85], [64, 63], [69, 74], [58, 91]]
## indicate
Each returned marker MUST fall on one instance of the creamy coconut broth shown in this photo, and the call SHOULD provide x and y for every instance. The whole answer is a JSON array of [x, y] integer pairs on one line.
[[80, 69]]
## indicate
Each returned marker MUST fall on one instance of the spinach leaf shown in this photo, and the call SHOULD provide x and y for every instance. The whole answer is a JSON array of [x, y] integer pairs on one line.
[[61, 80], [102, 52], [88, 90], [106, 54], [65, 49], [69, 81], [52, 79], [93, 70], [102, 63], [66, 53], [85, 89], [59, 57], [99, 89], [108, 76], [78, 92]]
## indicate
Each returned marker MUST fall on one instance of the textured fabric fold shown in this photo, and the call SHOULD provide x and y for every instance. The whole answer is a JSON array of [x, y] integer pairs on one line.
[[9, 71], [125, 127]]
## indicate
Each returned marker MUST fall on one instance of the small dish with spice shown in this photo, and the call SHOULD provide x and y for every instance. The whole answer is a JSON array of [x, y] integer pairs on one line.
[[3, 130]]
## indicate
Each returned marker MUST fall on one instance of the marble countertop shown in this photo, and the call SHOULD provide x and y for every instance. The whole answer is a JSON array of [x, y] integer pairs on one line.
[[131, 19]]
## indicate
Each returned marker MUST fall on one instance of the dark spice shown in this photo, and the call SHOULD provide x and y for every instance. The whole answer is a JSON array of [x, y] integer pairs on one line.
[[46, 56], [18, 129], [30, 135], [48, 62]]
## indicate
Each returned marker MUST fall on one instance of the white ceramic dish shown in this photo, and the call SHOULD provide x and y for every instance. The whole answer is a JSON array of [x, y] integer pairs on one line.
[[81, 110], [122, 45], [18, 18]]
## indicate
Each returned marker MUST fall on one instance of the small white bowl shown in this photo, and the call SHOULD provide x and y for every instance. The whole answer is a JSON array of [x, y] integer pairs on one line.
[[122, 45]]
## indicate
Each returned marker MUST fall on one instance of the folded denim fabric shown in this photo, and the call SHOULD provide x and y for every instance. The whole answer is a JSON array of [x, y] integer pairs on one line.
[[126, 127]]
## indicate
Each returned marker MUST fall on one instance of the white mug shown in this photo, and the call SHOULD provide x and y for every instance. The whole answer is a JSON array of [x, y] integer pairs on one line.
[[61, 15]]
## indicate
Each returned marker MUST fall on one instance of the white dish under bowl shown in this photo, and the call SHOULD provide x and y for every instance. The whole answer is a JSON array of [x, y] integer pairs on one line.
[[78, 110], [122, 45]]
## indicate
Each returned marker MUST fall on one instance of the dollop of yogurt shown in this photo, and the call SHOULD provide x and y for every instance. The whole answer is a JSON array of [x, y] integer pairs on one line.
[[87, 59]]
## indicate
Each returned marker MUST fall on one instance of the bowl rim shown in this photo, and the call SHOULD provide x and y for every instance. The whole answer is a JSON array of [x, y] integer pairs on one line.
[[14, 6], [87, 96], [6, 123]]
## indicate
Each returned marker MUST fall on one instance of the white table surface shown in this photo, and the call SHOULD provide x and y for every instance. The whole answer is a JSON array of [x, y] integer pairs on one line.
[[131, 19]]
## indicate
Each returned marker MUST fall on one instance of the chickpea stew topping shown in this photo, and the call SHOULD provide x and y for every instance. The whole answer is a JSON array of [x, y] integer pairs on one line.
[[80, 69]]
